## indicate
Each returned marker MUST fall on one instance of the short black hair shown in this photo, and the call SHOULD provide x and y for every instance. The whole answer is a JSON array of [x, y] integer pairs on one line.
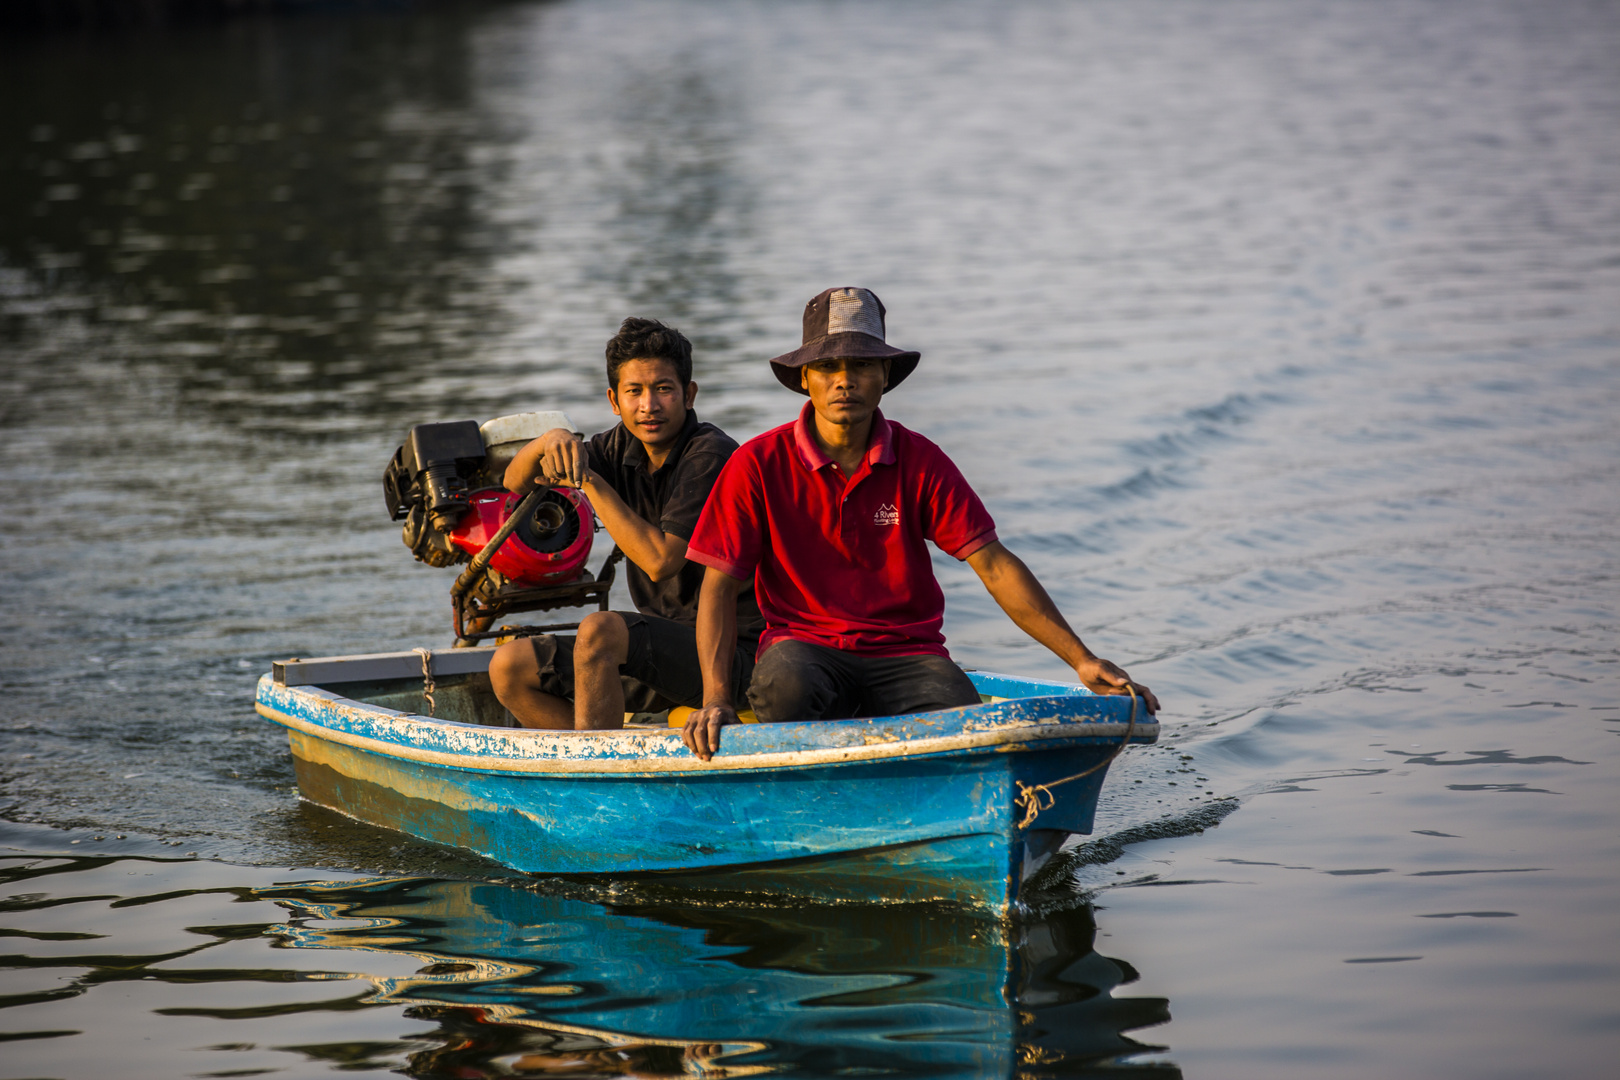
[[648, 339]]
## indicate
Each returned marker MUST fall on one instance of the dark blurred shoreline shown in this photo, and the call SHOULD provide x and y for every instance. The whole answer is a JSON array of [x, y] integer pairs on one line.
[[125, 16]]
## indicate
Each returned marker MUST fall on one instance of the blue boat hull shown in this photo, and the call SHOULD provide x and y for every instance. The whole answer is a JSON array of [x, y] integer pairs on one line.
[[921, 808]]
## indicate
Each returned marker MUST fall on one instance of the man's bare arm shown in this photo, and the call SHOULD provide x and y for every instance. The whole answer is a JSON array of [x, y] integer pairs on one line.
[[558, 458], [657, 552], [1026, 602], [717, 646], [529, 468]]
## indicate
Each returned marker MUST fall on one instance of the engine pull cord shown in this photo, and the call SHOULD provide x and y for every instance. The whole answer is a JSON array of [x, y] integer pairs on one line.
[[427, 677], [1029, 795]]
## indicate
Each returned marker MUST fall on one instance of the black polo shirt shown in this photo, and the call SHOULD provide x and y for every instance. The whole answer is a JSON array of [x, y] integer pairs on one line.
[[671, 498]]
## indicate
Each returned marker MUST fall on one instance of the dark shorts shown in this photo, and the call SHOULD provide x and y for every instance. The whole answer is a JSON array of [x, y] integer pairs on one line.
[[661, 671], [795, 680]]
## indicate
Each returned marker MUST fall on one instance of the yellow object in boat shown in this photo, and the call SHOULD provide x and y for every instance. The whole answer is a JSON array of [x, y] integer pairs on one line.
[[678, 715]]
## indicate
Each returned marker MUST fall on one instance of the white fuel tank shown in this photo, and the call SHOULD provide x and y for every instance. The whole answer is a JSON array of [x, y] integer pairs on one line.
[[504, 436]]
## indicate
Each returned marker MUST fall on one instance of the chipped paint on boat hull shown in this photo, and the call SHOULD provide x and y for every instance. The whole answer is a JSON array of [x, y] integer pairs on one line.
[[919, 807]]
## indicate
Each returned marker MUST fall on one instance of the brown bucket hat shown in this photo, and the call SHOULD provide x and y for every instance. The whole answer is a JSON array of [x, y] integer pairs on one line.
[[840, 324]]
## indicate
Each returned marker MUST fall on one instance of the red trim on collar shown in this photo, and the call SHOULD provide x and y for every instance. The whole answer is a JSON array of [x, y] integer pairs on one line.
[[879, 451]]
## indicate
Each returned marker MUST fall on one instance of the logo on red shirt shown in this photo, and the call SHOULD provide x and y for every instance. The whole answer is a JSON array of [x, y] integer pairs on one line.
[[886, 515]]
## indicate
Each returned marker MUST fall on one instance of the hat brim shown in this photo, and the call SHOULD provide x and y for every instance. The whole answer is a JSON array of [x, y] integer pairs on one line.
[[849, 345]]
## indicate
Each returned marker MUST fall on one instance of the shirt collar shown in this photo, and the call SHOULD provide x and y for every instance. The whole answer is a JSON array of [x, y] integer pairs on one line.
[[880, 451], [635, 455]]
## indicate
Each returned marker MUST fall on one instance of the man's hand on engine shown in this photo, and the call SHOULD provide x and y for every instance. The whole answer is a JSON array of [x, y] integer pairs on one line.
[[555, 458], [563, 459]]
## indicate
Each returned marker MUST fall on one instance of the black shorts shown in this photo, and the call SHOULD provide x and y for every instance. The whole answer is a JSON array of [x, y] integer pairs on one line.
[[660, 672]]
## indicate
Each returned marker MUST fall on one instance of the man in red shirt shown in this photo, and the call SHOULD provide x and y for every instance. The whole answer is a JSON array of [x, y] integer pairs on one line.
[[828, 518]]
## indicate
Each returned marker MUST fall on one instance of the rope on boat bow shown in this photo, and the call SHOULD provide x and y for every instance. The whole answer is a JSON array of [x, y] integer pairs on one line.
[[427, 678], [1029, 795]]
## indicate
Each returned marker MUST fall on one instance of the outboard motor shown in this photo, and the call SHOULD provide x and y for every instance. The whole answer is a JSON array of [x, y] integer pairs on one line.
[[550, 544], [445, 484]]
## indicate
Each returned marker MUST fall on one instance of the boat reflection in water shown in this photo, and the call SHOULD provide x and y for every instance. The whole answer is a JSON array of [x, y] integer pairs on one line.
[[523, 982]]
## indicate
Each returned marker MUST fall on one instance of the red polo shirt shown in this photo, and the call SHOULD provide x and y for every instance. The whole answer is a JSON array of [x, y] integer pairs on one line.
[[835, 561]]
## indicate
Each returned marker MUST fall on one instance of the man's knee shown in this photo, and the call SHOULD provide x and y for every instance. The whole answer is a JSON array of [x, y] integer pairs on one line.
[[926, 683], [603, 637], [791, 682], [513, 666]]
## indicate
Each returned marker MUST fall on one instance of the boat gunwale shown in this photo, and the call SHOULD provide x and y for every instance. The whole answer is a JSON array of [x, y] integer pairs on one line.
[[880, 741]]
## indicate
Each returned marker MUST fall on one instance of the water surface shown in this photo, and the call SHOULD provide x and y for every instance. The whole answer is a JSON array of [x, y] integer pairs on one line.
[[1281, 339]]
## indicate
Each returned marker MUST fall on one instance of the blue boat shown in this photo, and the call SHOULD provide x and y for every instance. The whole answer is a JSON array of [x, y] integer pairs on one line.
[[958, 806]]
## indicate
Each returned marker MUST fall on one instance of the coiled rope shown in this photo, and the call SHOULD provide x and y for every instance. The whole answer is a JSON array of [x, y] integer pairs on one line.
[[427, 677], [1029, 795]]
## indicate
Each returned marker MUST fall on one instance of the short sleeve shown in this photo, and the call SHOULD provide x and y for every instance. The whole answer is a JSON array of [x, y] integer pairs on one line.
[[599, 453], [730, 531], [954, 517], [695, 476]]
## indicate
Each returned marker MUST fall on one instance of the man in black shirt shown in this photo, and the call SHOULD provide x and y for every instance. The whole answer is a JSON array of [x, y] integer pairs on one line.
[[647, 480]]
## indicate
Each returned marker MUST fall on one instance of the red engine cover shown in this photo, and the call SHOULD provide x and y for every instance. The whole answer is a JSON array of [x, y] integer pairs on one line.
[[517, 560]]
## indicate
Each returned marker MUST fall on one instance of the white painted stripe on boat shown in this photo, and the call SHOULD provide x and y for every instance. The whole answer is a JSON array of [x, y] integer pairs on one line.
[[1004, 737]]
